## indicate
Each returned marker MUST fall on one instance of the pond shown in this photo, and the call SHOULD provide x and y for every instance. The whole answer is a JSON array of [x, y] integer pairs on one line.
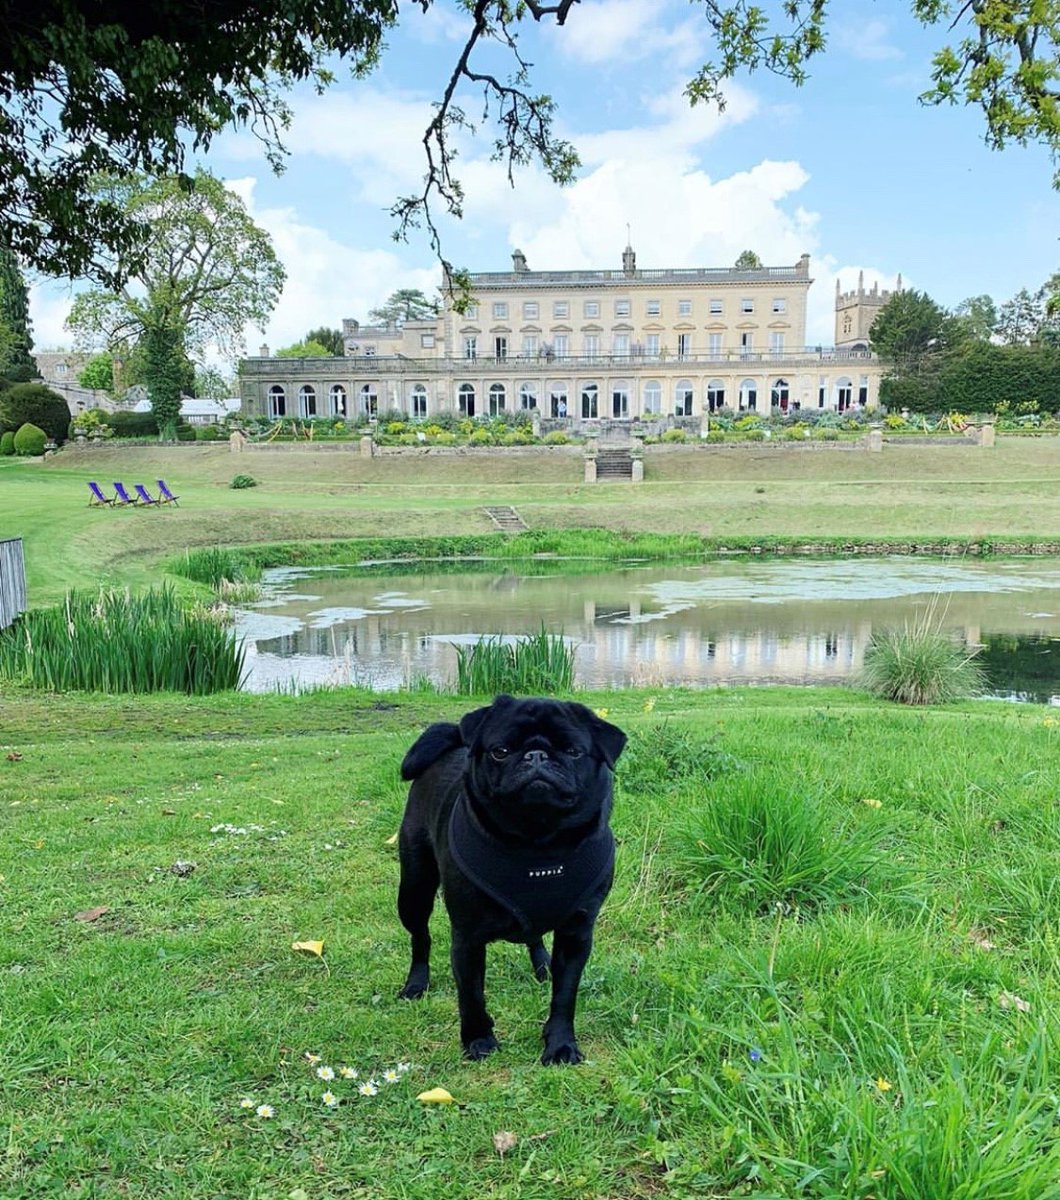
[[711, 623]]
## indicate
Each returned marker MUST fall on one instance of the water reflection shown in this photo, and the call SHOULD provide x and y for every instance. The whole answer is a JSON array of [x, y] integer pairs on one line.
[[717, 623]]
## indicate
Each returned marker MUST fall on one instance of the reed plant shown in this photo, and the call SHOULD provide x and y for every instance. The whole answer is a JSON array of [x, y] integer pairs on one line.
[[540, 664], [920, 664], [216, 566], [115, 642]]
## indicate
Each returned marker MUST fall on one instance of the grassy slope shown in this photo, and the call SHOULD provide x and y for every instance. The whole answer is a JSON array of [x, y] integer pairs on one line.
[[127, 1042], [914, 491]]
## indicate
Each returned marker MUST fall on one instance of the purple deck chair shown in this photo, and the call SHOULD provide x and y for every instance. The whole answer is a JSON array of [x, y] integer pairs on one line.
[[166, 496], [144, 495], [97, 498], [123, 496]]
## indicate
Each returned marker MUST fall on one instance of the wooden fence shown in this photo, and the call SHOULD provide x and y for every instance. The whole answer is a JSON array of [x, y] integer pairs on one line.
[[12, 581]]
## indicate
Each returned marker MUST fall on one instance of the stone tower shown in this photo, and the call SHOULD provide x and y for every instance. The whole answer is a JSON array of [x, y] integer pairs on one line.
[[855, 312]]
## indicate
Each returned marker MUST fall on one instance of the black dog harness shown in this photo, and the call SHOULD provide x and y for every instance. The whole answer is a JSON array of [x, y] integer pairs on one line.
[[538, 886]]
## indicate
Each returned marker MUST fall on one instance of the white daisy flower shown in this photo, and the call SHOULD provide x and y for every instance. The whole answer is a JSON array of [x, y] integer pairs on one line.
[[369, 1088], [246, 1102], [348, 1073], [391, 1076], [265, 1110], [325, 1073], [330, 1099]]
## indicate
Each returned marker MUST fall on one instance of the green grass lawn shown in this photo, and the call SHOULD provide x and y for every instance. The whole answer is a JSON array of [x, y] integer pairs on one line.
[[888, 1030], [907, 491]]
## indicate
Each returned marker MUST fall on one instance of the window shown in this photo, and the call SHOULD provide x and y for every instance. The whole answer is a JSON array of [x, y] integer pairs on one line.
[[472, 313], [369, 352], [337, 397], [500, 346], [418, 399], [684, 345], [746, 343], [843, 393], [620, 345], [592, 345], [621, 308], [277, 401], [530, 310], [683, 393], [716, 307], [779, 394], [500, 310], [780, 305], [528, 396], [684, 308], [427, 341], [715, 395], [529, 345], [651, 345], [590, 401], [714, 345], [466, 399], [654, 308], [749, 394], [470, 347], [863, 390], [747, 305], [822, 391], [652, 396], [620, 400], [561, 345], [307, 400], [369, 401], [776, 343], [61, 368], [557, 399], [561, 308], [496, 399], [591, 308]]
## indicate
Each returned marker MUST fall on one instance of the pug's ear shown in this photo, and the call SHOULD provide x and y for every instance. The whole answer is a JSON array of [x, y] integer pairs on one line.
[[608, 740]]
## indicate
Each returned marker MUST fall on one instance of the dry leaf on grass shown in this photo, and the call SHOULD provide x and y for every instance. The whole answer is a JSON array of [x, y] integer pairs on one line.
[[1011, 1000], [92, 914], [436, 1095], [14, 756], [316, 948], [392, 840], [504, 1141]]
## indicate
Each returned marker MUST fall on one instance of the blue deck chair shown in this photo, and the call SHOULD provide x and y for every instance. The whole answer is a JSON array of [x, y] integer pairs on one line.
[[97, 498], [144, 494], [123, 496], [167, 496]]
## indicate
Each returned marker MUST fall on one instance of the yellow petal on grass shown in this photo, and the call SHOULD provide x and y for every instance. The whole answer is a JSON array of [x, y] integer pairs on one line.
[[436, 1096], [392, 840], [872, 803], [316, 948]]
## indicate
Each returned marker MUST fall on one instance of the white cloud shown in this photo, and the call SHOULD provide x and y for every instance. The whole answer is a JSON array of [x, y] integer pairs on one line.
[[49, 306], [613, 31], [820, 314], [866, 41], [440, 23]]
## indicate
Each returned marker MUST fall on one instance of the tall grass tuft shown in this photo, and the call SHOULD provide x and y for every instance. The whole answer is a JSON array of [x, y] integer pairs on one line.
[[216, 566], [540, 664], [114, 642], [757, 844], [920, 665]]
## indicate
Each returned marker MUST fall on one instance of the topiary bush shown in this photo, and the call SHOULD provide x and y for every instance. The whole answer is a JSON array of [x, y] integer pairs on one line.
[[7, 443], [243, 481], [556, 438], [206, 433], [675, 435], [37, 405], [132, 424], [29, 441]]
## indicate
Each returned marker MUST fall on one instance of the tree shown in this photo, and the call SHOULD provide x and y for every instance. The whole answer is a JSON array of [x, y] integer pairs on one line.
[[306, 349], [206, 271], [977, 316], [909, 326], [212, 385], [101, 87], [747, 260], [406, 304], [1030, 318], [35, 404], [98, 372], [14, 318], [330, 339]]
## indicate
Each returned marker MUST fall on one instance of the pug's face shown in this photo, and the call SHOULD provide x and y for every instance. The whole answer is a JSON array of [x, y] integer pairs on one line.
[[539, 766]]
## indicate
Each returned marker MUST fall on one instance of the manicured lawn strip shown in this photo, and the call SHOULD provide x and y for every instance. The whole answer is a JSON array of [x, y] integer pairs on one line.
[[875, 1025]]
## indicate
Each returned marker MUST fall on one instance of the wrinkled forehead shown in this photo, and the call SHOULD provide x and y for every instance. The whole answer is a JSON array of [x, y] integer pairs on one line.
[[547, 719]]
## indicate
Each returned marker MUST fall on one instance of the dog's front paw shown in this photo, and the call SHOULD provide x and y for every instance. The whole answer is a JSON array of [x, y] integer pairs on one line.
[[479, 1048], [561, 1052], [416, 985]]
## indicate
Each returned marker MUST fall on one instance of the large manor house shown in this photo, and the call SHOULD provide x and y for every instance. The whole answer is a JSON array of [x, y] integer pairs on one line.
[[657, 345]]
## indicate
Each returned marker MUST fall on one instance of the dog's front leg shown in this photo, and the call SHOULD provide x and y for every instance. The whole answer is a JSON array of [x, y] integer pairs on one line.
[[469, 970], [570, 952]]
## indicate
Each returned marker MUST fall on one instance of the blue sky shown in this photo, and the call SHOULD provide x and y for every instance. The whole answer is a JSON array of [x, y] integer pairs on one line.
[[849, 168]]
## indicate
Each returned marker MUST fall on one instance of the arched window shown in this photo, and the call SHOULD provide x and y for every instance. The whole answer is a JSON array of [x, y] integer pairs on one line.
[[557, 399], [418, 401], [496, 398], [683, 393], [277, 401], [528, 396], [715, 395], [466, 399], [337, 395], [369, 401], [652, 397], [779, 395], [844, 391], [307, 400], [749, 394], [620, 399], [590, 401], [848, 324]]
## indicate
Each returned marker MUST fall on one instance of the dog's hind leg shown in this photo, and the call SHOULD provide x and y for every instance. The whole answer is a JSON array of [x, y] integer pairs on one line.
[[540, 960], [416, 892]]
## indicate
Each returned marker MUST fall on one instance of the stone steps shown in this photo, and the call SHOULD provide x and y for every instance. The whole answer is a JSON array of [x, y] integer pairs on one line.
[[614, 464], [506, 519]]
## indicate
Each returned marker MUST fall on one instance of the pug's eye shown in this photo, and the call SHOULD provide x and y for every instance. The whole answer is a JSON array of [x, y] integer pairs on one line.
[[573, 752], [499, 753]]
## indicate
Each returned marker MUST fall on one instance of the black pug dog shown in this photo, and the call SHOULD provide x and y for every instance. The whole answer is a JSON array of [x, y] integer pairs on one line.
[[508, 812]]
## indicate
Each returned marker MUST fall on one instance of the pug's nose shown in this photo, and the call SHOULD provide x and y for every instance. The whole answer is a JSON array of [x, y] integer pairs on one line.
[[535, 757]]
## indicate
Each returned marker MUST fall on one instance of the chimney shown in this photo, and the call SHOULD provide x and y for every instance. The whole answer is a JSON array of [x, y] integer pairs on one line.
[[263, 351], [519, 262], [803, 265], [629, 262]]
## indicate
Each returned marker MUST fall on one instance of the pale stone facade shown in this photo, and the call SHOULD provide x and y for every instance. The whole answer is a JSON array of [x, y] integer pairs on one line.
[[584, 346]]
